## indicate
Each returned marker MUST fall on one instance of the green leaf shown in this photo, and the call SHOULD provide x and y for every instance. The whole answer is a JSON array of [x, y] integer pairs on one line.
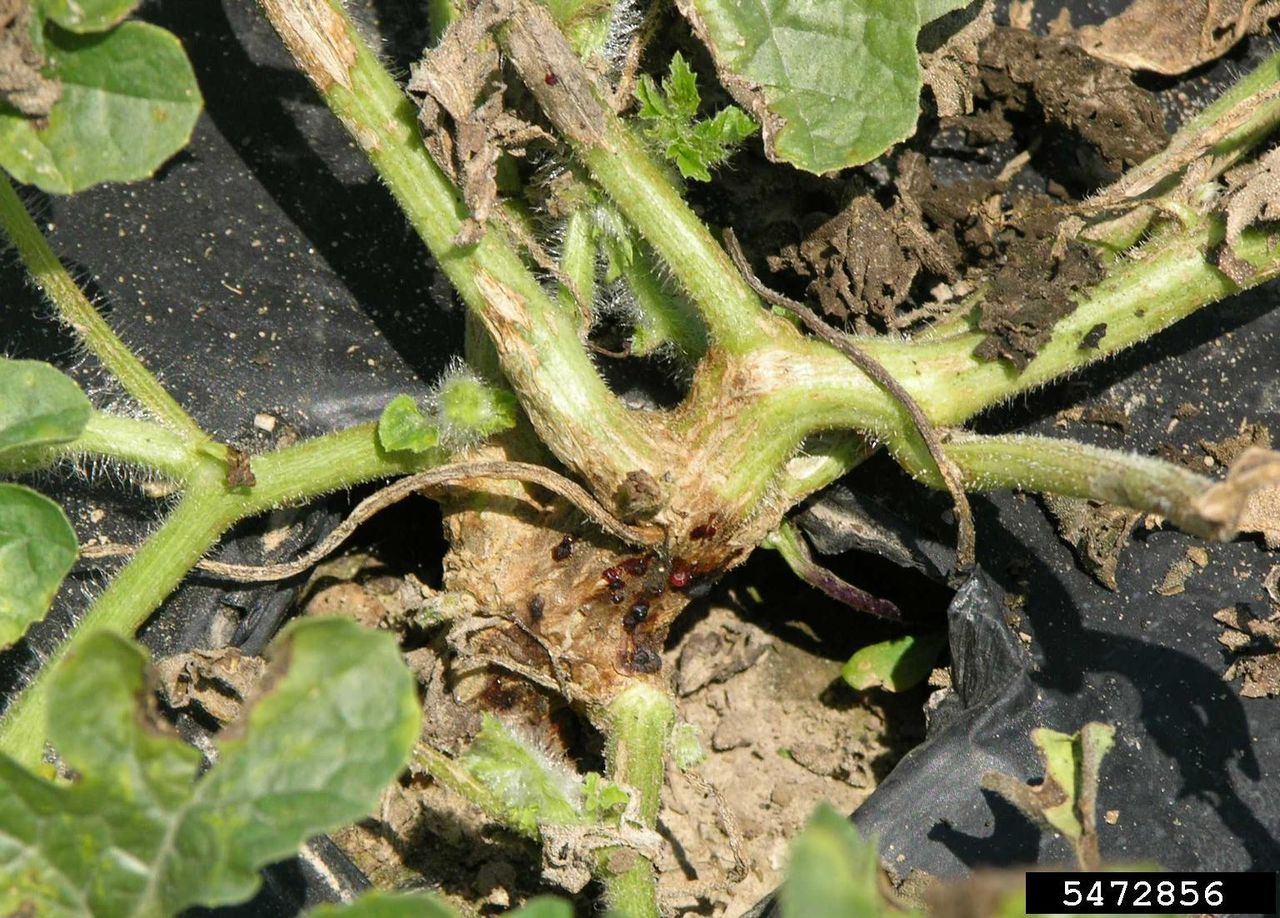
[[380, 904], [403, 426], [668, 117], [602, 800], [37, 549], [584, 22], [833, 84], [87, 15], [136, 833], [934, 9], [129, 102], [896, 665], [686, 746], [1066, 800], [532, 786], [38, 405], [470, 409], [832, 871], [681, 88]]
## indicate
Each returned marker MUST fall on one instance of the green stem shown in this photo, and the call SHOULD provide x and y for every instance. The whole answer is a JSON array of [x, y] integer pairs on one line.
[[140, 587], [578, 262], [296, 473], [638, 186], [144, 444], [1074, 469], [74, 308], [664, 317], [630, 884], [637, 724], [1169, 279], [574, 412]]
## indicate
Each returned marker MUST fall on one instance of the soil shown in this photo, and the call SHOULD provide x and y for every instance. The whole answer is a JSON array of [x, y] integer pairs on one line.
[[764, 699], [1079, 120]]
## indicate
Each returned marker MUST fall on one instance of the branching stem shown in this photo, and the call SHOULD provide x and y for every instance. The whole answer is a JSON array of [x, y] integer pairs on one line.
[[207, 509], [638, 186], [538, 342], [405, 487]]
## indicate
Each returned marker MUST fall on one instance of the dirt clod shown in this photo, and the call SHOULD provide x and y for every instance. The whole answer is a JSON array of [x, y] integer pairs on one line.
[[22, 85], [860, 263], [716, 655], [1093, 337], [1097, 533], [1228, 449], [1175, 579], [1112, 416], [1052, 79], [1035, 287], [218, 682]]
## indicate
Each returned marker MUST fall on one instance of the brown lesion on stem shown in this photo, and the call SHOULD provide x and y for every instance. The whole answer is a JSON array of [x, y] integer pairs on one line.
[[316, 36], [553, 73]]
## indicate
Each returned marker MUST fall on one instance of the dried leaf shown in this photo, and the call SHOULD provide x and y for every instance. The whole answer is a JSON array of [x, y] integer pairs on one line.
[[1097, 533], [1175, 578], [218, 681], [21, 83], [1253, 197], [1248, 500], [950, 60], [1172, 38], [1066, 800], [458, 84]]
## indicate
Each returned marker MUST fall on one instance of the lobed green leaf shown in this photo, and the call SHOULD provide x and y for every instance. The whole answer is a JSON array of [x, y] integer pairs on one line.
[[403, 426], [129, 102], [135, 833], [669, 119]]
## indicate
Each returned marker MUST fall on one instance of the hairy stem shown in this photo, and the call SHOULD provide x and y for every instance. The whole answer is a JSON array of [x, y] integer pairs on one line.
[[570, 406], [144, 444], [74, 308], [638, 185], [664, 317], [636, 725], [1074, 469], [1169, 279], [578, 262], [206, 511]]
